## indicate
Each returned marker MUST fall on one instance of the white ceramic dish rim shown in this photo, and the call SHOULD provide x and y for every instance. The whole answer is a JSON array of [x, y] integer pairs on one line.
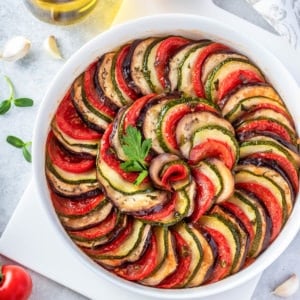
[[190, 26]]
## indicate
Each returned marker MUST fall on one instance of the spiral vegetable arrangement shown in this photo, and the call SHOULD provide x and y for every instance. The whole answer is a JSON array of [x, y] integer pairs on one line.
[[172, 162]]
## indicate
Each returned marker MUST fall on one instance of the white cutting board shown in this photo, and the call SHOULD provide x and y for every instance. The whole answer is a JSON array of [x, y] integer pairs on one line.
[[39, 248]]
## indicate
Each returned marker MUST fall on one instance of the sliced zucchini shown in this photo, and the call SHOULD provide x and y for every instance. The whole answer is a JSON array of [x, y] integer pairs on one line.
[[185, 84], [195, 249], [168, 262], [228, 230], [88, 147], [171, 114], [73, 185], [267, 114], [214, 60], [246, 91], [207, 262], [137, 65], [104, 79], [238, 232], [124, 98], [257, 216], [149, 67], [222, 71], [94, 217], [190, 123], [93, 118], [177, 61], [249, 104], [268, 192]]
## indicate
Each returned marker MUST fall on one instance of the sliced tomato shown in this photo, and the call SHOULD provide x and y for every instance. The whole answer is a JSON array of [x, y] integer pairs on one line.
[[91, 92], [184, 256], [247, 113], [197, 71], [115, 243], [165, 50], [284, 164], [270, 202], [242, 217], [267, 126], [64, 159], [119, 73], [249, 261], [100, 230], [134, 110], [212, 149], [171, 122], [110, 158], [66, 207], [204, 197], [70, 123], [144, 266], [224, 261], [236, 78], [174, 173]]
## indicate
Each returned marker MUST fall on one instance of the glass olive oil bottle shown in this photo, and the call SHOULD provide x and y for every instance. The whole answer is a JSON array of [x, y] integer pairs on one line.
[[60, 12]]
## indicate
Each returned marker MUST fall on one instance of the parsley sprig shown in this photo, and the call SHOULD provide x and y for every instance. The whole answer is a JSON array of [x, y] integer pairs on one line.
[[18, 143], [5, 105], [136, 150]]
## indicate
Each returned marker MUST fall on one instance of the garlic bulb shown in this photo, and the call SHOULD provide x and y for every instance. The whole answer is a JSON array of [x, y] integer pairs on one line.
[[16, 48], [287, 288], [51, 47]]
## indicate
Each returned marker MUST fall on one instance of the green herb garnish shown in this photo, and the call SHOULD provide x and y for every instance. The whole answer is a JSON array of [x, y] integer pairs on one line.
[[5, 105], [18, 143], [136, 150]]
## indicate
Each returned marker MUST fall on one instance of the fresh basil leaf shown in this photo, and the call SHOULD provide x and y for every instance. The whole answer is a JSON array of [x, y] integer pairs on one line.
[[5, 106], [131, 166], [15, 141], [26, 154], [23, 102]]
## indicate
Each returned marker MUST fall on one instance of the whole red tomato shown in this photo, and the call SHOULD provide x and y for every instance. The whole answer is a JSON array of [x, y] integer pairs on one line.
[[15, 283]]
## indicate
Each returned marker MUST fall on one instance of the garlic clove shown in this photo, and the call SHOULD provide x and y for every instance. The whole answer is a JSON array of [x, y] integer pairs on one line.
[[16, 48], [51, 47], [287, 288]]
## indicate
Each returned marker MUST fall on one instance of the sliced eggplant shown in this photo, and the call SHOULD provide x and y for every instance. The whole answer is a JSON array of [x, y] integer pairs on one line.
[[190, 123]]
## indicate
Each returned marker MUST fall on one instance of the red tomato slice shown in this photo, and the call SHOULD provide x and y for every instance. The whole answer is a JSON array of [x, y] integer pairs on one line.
[[283, 163], [134, 111], [143, 267], [270, 202], [184, 256], [238, 213], [64, 159], [205, 195], [111, 159], [197, 71], [236, 78], [91, 93], [114, 244], [119, 73], [224, 261], [247, 114], [66, 207], [174, 173], [172, 120], [164, 51], [265, 125], [71, 124], [100, 230], [212, 148]]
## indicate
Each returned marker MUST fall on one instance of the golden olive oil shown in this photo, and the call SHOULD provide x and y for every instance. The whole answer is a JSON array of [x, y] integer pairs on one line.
[[61, 12]]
